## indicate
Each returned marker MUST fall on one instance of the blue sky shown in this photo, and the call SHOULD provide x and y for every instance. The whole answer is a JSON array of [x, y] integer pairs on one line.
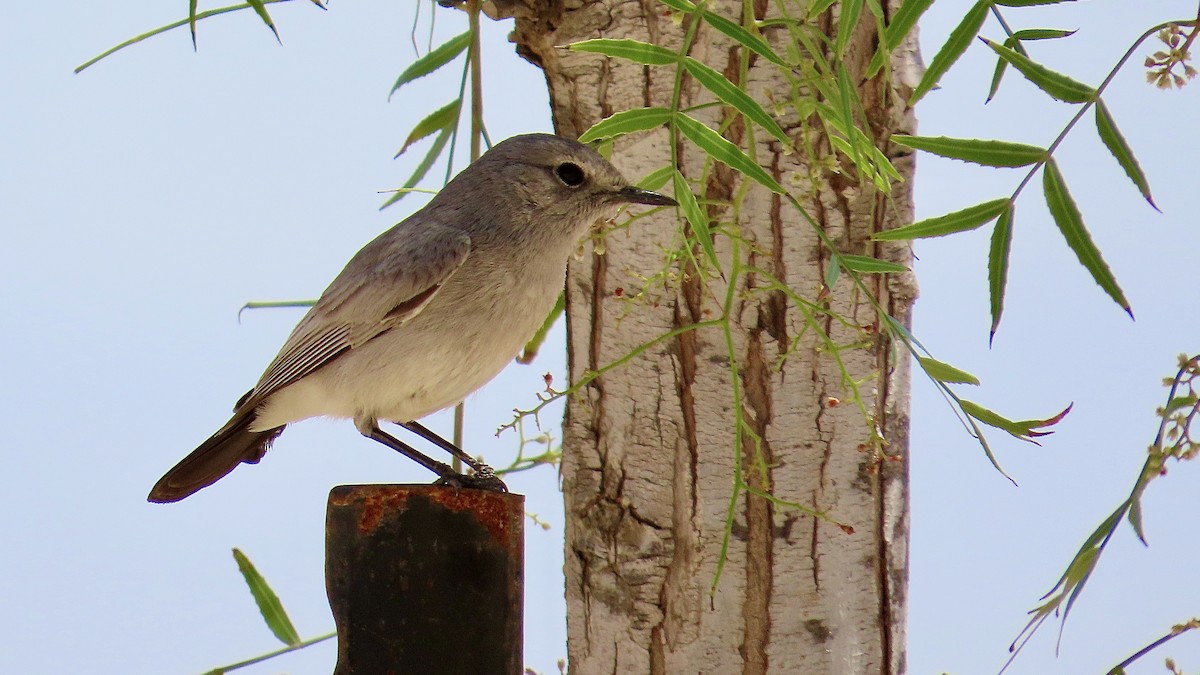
[[144, 201]]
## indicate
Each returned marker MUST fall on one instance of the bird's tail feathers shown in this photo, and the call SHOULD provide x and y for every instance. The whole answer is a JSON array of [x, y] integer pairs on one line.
[[233, 444]]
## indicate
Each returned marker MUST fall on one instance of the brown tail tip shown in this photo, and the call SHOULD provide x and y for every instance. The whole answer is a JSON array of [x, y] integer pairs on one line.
[[215, 458]]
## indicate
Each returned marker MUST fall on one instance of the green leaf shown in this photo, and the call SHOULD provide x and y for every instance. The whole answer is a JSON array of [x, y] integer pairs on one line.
[[445, 117], [848, 14], [1025, 430], [1178, 403], [819, 6], [1002, 66], [268, 603], [740, 35], [445, 53], [1120, 149], [735, 31], [725, 152], [192, 21], [435, 151], [261, 11], [944, 372], [631, 50], [1070, 223], [626, 122], [1135, 517], [987, 153], [1029, 3], [695, 216], [733, 96], [956, 44], [1055, 84], [833, 270], [1041, 34], [906, 17], [998, 265], [959, 221], [657, 178], [530, 352], [868, 265]]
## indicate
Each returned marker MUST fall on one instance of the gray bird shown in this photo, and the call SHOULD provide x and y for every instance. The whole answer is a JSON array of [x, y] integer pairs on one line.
[[429, 311]]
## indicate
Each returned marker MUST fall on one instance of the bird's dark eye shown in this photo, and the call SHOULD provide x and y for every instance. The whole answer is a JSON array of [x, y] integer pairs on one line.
[[570, 174]]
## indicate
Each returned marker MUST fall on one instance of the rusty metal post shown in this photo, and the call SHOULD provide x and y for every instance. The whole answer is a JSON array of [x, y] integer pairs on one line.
[[425, 579]]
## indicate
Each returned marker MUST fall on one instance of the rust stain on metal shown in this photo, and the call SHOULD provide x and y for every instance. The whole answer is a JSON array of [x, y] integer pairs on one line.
[[491, 509], [372, 502]]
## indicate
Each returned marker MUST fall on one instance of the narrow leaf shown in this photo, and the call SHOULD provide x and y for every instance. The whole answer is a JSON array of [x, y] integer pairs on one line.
[[731, 29], [1002, 67], [192, 21], [1070, 223], [657, 178], [631, 50], [530, 352], [1025, 430], [442, 118], [268, 603], [819, 6], [725, 152], [1041, 34], [959, 221], [1120, 149], [435, 151], [445, 53], [1135, 517], [1054, 83], [833, 271], [998, 266], [679, 5], [626, 122], [739, 34], [261, 10], [733, 96], [987, 153], [848, 13], [1029, 3], [900, 25], [944, 372], [960, 38], [904, 20], [696, 217], [868, 265]]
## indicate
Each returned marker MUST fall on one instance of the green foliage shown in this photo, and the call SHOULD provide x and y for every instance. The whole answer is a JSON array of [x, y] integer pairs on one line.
[[1069, 221], [823, 90], [960, 38], [268, 603], [1055, 84], [959, 221], [435, 59], [987, 153], [1106, 128], [1172, 442]]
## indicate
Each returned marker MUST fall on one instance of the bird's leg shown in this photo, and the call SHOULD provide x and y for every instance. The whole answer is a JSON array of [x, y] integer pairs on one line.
[[446, 475], [482, 471], [442, 470]]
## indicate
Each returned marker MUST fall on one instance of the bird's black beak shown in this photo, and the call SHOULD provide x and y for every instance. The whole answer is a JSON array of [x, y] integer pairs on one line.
[[636, 195]]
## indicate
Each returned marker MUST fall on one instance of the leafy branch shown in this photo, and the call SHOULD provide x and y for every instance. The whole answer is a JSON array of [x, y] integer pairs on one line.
[[1174, 441]]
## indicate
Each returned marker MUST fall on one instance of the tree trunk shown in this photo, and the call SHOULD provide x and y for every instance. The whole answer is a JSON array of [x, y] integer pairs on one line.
[[650, 452]]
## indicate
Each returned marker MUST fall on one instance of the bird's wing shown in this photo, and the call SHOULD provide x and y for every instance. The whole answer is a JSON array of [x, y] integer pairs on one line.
[[387, 283]]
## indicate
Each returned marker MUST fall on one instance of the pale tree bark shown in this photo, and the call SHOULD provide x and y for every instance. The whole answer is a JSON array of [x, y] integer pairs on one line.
[[649, 454]]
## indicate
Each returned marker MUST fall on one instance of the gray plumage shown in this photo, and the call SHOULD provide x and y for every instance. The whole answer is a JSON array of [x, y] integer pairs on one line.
[[431, 309]]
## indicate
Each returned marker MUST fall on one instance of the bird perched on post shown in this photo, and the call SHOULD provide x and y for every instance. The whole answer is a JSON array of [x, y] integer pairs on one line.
[[429, 311]]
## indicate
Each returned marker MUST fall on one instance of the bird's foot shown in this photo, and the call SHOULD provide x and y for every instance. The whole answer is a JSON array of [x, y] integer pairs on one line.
[[484, 478]]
